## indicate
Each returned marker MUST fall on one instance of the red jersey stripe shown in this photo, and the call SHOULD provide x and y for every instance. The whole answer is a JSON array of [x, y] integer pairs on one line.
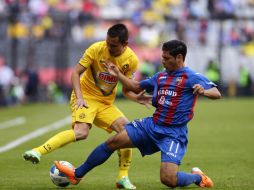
[[175, 100], [160, 107]]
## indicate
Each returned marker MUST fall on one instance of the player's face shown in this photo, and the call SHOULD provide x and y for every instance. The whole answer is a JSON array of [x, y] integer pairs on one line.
[[115, 47], [168, 61]]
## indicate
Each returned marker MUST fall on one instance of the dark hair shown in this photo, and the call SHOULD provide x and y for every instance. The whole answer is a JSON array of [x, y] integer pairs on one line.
[[120, 31], [175, 47]]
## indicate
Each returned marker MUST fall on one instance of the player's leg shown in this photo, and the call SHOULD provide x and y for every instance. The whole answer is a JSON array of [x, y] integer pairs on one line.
[[111, 118], [81, 123], [80, 131], [171, 177], [125, 155], [168, 174], [131, 136], [98, 156], [173, 147], [172, 152], [50, 145]]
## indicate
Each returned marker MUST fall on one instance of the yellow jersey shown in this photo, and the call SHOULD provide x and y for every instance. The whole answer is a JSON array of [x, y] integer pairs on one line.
[[96, 82]]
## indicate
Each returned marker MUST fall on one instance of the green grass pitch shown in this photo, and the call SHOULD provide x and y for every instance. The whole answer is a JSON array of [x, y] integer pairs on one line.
[[221, 143]]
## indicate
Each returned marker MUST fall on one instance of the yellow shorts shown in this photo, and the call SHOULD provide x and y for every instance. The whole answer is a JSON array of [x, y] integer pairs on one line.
[[97, 113]]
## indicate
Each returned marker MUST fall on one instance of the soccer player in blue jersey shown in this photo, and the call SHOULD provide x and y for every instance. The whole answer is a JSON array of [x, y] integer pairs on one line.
[[175, 91]]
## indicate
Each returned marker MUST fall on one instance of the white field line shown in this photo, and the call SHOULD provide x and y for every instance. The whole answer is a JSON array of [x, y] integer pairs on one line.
[[13, 123], [36, 133]]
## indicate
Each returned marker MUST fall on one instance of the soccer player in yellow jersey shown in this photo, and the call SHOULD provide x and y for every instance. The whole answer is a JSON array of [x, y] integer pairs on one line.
[[93, 96]]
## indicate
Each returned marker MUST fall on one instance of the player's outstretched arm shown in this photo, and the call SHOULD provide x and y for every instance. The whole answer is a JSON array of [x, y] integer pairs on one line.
[[212, 93], [140, 98], [129, 84]]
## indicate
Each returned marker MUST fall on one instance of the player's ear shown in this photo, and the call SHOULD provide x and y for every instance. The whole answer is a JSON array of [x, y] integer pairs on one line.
[[179, 57], [125, 43]]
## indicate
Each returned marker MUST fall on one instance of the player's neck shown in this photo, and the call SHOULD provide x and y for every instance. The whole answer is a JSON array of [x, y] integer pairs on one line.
[[176, 68]]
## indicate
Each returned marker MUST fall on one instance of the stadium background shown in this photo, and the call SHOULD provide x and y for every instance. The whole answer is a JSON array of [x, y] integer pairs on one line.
[[45, 39]]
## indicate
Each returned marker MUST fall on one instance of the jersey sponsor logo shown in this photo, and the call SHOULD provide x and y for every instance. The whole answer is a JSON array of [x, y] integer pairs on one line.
[[163, 101], [106, 77], [167, 92]]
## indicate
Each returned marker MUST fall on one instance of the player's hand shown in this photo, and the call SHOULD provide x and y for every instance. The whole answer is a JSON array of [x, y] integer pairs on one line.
[[111, 68], [198, 89], [144, 99], [80, 103]]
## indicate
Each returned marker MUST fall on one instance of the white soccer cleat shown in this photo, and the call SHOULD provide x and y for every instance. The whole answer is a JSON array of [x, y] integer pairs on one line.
[[33, 156], [125, 183]]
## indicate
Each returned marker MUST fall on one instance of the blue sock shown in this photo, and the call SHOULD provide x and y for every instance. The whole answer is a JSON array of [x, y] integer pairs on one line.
[[99, 155], [184, 179]]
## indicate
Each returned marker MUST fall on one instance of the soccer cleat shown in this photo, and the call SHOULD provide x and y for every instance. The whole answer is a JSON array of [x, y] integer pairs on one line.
[[33, 156], [205, 180], [68, 172], [125, 183]]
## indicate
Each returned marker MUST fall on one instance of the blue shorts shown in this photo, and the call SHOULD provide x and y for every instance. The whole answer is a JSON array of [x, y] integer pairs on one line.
[[150, 138]]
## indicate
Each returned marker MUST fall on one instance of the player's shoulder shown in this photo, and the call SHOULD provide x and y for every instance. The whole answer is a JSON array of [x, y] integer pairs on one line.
[[191, 73], [131, 54], [96, 48], [194, 75], [130, 50], [160, 75]]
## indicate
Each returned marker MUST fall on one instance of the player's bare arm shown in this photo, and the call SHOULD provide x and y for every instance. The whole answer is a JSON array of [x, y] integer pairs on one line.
[[140, 98], [135, 92], [75, 79], [143, 98], [212, 93], [127, 83]]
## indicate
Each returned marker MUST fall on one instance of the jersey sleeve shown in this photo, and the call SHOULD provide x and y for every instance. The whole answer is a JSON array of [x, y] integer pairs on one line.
[[198, 78], [149, 84], [88, 56]]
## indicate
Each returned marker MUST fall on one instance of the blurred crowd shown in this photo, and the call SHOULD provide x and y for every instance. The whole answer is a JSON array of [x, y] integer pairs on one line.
[[42, 39], [148, 19]]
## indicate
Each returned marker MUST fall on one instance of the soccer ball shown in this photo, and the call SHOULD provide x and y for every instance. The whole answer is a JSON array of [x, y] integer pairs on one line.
[[57, 177]]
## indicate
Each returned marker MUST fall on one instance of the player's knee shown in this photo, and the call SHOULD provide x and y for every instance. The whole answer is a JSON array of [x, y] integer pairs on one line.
[[169, 180], [113, 143], [81, 131], [118, 125], [80, 135]]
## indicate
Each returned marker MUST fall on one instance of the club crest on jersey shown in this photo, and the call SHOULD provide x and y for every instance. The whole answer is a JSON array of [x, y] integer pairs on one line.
[[106, 77], [125, 67], [179, 80], [82, 116], [102, 61]]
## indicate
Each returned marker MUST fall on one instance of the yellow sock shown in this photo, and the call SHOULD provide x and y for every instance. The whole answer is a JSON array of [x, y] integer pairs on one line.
[[125, 156], [57, 141]]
